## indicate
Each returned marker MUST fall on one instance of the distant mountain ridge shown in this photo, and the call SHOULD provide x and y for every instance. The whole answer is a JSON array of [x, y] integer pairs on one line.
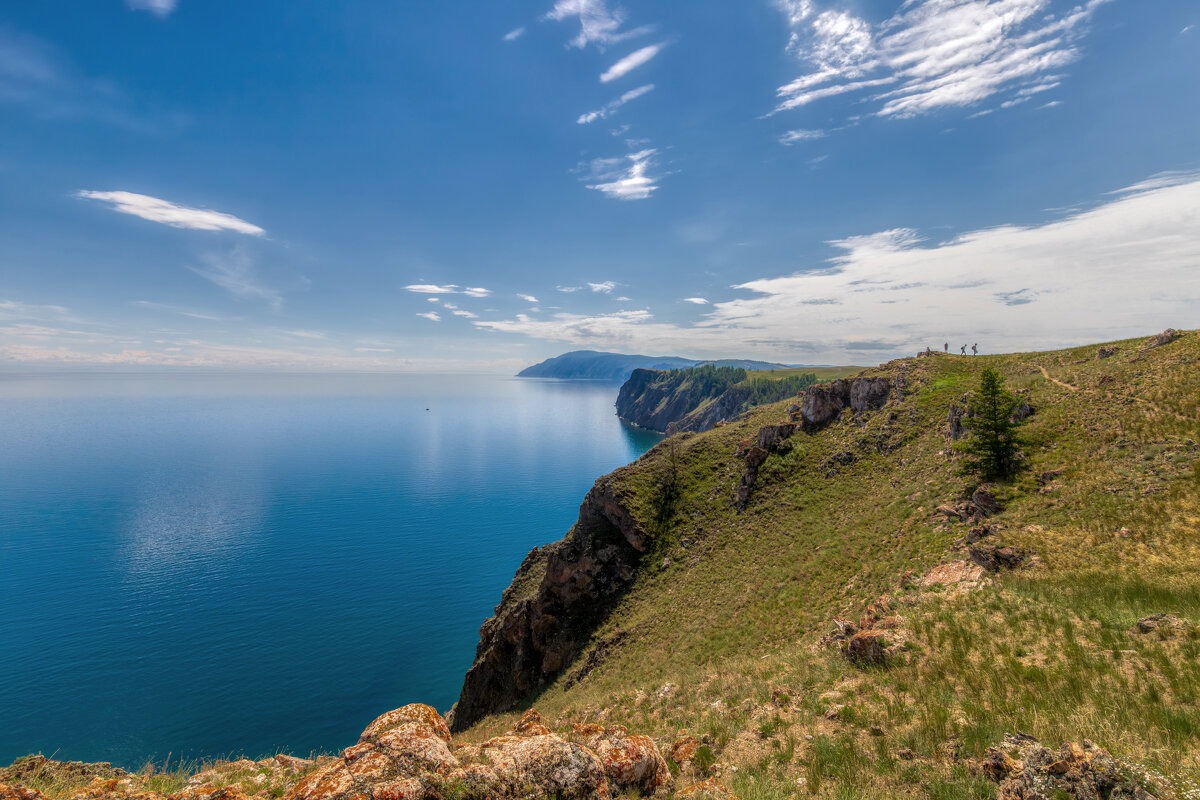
[[617, 367]]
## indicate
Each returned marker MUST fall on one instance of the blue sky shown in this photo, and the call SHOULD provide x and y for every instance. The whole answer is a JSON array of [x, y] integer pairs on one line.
[[453, 185]]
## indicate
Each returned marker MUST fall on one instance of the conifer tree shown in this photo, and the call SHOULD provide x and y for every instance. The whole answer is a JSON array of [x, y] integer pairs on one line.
[[991, 445]]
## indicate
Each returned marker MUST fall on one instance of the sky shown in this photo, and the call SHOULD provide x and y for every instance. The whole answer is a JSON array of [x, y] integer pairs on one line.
[[477, 186]]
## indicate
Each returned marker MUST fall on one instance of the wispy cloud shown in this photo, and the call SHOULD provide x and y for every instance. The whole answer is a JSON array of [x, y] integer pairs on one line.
[[528, 298], [432, 316], [700, 301], [173, 214], [631, 62], [597, 24], [514, 34], [159, 8], [184, 312], [458, 312], [235, 273], [568, 289], [475, 291], [15, 309], [931, 54], [604, 287], [608, 109], [1123, 268], [432, 288], [801, 135], [625, 178]]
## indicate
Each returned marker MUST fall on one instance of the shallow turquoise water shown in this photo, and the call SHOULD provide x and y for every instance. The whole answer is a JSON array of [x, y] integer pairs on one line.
[[210, 565]]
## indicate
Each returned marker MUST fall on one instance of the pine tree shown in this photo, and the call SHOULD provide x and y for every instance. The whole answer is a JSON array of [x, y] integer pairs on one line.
[[991, 444]]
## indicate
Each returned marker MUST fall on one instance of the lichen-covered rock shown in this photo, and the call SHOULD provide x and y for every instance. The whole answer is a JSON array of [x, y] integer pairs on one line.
[[710, 789], [1106, 352], [530, 724], [1025, 769], [1022, 412], [631, 761], [545, 766], [1159, 622], [413, 713], [39, 768], [684, 749], [8, 792], [956, 574], [401, 755]]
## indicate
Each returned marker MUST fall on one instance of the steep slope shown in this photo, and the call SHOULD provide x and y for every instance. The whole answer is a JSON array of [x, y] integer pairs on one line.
[[700, 398], [1029, 606]]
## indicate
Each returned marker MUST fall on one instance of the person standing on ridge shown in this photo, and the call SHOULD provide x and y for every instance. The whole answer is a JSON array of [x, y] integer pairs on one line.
[[975, 349], [963, 351]]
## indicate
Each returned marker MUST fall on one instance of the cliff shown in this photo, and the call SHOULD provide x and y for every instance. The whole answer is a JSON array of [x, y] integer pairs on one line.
[[700, 398]]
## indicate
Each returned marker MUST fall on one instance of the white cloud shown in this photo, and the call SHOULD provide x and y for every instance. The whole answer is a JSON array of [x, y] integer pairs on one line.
[[514, 34], [458, 312], [160, 8], [611, 108], [528, 298], [235, 273], [801, 135], [605, 287], [1122, 269], [597, 24], [431, 288], [624, 178], [932, 54], [168, 213], [631, 62], [306, 334], [434, 299], [700, 301], [433, 316], [476, 291], [569, 289]]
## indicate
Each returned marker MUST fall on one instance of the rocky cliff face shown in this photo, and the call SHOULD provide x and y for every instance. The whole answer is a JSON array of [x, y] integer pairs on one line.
[[650, 401], [535, 633]]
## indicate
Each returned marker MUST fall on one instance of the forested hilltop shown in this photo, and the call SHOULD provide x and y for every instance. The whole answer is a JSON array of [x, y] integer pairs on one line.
[[617, 367], [700, 398]]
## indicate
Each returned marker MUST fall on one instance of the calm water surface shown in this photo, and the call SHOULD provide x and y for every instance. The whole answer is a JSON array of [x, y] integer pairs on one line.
[[209, 565]]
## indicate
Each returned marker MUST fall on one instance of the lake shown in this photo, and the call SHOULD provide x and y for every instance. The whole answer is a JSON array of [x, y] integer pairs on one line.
[[207, 565]]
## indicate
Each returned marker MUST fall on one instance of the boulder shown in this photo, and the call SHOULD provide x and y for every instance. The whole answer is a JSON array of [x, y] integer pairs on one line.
[[530, 724], [1159, 622], [866, 648], [545, 766], [956, 574], [1106, 352], [684, 749], [1160, 339], [984, 503], [8, 792], [402, 754], [1022, 412], [631, 761], [954, 425], [994, 559], [1023, 768]]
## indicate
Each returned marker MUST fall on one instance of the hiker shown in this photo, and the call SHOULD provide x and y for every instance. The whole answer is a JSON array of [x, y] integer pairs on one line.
[[963, 351], [974, 349], [946, 347]]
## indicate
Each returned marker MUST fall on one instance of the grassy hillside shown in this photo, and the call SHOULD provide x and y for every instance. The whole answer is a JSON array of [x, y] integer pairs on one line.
[[721, 632]]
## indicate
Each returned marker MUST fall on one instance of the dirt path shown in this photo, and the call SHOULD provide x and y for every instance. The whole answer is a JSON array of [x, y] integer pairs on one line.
[[1066, 386]]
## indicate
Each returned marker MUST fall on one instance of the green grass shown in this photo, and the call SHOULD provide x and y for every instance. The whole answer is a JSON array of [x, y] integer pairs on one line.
[[736, 618]]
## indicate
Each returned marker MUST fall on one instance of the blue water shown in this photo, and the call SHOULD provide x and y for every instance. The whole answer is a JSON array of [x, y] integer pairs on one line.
[[215, 565]]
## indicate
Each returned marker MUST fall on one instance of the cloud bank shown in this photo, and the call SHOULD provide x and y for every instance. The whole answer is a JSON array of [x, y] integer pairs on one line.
[[1124, 268]]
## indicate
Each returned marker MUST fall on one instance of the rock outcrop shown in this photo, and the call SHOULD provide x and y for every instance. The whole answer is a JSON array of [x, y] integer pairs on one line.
[[1160, 339], [770, 438], [530, 639], [821, 405], [1024, 769]]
